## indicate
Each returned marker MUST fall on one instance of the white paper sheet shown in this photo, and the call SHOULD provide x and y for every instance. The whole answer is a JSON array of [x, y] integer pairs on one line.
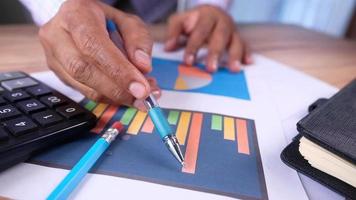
[[291, 92], [274, 107]]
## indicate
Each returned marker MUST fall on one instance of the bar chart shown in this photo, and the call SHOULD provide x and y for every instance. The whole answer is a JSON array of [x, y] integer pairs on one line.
[[138, 121], [221, 152]]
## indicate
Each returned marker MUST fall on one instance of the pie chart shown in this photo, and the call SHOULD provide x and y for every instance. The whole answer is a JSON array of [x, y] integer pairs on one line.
[[177, 76], [191, 78]]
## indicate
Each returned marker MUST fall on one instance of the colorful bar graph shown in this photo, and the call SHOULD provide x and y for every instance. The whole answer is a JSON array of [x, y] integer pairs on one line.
[[191, 152], [182, 128], [229, 128], [108, 114], [139, 121], [148, 126], [99, 109], [128, 115], [242, 137], [216, 122], [136, 123], [173, 117], [90, 105]]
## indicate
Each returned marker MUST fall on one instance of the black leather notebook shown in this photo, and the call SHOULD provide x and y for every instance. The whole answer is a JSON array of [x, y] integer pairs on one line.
[[331, 124]]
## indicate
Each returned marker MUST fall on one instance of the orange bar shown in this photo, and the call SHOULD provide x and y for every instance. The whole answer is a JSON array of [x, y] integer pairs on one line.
[[182, 128], [191, 152], [242, 137], [99, 109], [136, 123], [229, 129], [104, 119], [148, 126]]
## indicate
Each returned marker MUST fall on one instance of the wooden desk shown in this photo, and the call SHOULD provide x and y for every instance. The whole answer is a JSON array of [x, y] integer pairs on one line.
[[329, 59]]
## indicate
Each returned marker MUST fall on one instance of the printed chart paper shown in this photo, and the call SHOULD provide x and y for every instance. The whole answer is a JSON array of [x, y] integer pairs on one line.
[[229, 130]]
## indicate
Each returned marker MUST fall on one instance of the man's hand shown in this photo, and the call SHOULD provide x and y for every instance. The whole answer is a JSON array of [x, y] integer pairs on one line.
[[78, 49], [211, 25]]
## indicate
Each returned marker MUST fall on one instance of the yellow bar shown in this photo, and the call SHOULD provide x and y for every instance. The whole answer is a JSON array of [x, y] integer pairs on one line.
[[137, 123], [182, 128], [99, 109], [229, 128]]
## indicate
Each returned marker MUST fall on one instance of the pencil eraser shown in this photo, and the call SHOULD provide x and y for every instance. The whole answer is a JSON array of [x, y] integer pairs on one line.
[[118, 126]]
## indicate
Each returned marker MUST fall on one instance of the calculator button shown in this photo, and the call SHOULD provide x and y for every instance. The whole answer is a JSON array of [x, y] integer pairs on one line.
[[47, 118], [53, 100], [16, 96], [3, 135], [18, 83], [11, 75], [39, 90], [8, 111], [70, 111], [20, 125], [2, 101], [31, 105]]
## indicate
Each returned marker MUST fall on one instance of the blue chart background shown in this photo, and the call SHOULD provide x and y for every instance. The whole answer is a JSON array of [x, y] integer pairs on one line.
[[220, 168], [224, 83]]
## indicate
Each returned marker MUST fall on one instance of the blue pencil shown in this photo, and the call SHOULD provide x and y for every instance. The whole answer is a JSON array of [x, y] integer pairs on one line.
[[73, 178]]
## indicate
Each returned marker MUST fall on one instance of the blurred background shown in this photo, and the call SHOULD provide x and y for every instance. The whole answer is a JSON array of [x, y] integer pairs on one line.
[[333, 17]]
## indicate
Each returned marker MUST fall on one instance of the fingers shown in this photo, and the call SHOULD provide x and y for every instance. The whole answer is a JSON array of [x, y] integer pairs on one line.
[[55, 65], [208, 24], [138, 43], [91, 39], [197, 38], [175, 29], [136, 37], [247, 58], [85, 73], [179, 25], [96, 94], [235, 53], [90, 93], [217, 45], [155, 91]]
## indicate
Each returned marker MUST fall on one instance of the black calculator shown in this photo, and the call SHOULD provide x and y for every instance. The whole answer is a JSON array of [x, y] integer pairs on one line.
[[34, 116]]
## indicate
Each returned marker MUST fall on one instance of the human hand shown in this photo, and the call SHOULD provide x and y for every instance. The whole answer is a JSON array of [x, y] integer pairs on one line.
[[211, 25], [78, 49]]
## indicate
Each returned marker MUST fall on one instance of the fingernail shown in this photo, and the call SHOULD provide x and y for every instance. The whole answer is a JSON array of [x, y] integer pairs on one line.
[[142, 57], [157, 93], [139, 105], [236, 66], [213, 65], [137, 89], [189, 59]]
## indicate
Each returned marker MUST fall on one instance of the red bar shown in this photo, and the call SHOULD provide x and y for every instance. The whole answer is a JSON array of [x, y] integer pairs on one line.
[[242, 137], [191, 152], [104, 119], [148, 126]]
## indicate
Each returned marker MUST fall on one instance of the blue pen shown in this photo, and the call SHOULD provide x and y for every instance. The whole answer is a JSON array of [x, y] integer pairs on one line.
[[159, 120], [73, 178]]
